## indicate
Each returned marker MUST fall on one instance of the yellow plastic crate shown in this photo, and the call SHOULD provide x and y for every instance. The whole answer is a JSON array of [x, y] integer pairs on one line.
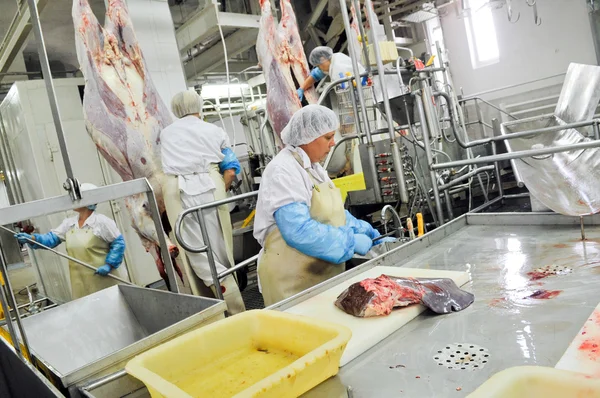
[[354, 182], [538, 381], [260, 353]]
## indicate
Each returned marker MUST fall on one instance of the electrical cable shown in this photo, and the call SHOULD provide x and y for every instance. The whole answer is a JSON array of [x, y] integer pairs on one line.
[[216, 4]]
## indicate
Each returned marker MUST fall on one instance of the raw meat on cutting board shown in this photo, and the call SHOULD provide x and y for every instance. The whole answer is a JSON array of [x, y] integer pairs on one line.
[[379, 296]]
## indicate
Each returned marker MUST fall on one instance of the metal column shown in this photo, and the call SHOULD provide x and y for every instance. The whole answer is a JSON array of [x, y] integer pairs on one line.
[[398, 166], [71, 185], [428, 155], [361, 100], [496, 127]]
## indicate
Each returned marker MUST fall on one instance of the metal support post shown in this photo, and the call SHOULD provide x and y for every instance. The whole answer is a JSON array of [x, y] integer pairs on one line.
[[398, 166], [496, 125], [361, 29], [164, 248], [429, 157], [71, 185], [12, 302], [448, 200], [210, 255], [480, 118], [582, 228], [596, 131], [361, 99]]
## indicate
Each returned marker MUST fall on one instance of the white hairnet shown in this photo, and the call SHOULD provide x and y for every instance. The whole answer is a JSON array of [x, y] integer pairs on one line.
[[186, 103], [308, 124], [320, 54]]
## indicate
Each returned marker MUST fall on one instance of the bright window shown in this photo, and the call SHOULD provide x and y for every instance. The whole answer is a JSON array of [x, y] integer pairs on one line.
[[481, 34]]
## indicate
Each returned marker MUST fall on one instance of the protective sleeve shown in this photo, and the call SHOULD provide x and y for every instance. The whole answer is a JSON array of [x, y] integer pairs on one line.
[[114, 258], [229, 162], [325, 242], [49, 239], [360, 226], [317, 74]]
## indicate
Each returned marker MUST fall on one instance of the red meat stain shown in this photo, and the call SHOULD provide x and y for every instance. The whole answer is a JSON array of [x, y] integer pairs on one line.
[[544, 294], [560, 246], [537, 275], [498, 302], [591, 348]]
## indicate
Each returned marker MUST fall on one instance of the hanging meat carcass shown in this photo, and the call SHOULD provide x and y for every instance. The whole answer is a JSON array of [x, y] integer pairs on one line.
[[281, 55], [123, 112]]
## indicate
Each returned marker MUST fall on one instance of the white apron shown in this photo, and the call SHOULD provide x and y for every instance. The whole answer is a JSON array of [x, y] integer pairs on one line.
[[284, 271], [87, 247], [218, 223]]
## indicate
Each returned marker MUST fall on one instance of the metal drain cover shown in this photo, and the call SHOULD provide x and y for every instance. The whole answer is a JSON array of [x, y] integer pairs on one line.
[[462, 356], [553, 270]]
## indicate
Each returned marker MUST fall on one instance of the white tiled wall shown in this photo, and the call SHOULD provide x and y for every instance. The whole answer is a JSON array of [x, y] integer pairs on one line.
[[156, 34]]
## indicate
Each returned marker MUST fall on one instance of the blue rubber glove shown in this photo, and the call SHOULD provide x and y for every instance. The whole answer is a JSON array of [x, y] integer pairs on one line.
[[49, 239], [317, 74], [114, 258], [301, 232], [386, 239], [104, 270], [362, 244], [22, 237], [230, 162], [300, 94], [360, 226]]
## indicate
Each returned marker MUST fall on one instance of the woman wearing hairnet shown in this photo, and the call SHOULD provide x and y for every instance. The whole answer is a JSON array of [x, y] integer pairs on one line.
[[326, 62], [199, 157], [301, 224], [90, 237]]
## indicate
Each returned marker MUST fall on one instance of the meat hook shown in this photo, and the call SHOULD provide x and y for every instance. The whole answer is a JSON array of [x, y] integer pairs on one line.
[[510, 12]]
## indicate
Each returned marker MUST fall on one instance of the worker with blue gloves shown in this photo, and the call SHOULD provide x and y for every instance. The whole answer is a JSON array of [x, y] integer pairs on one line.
[[200, 166], [326, 62], [89, 237], [305, 233]]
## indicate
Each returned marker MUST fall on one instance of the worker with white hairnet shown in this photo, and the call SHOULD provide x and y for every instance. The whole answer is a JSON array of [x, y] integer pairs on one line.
[[326, 62], [198, 159], [305, 233], [90, 237]]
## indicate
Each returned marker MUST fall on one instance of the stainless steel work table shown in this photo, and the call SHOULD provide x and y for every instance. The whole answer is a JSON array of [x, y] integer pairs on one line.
[[497, 250]]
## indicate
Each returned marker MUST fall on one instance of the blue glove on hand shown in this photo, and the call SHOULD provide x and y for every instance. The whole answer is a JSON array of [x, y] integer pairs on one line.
[[300, 94], [22, 237], [362, 244], [317, 74], [386, 239], [104, 270]]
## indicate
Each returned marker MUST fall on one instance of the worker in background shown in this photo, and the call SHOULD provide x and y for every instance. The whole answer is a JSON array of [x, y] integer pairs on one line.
[[326, 62], [305, 233], [198, 154], [89, 237]]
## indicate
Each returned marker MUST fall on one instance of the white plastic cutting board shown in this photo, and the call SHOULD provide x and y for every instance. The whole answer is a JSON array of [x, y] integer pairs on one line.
[[583, 355], [366, 332]]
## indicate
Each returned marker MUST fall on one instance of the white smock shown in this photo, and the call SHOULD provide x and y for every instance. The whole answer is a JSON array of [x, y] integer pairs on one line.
[[279, 186], [191, 152], [341, 63]]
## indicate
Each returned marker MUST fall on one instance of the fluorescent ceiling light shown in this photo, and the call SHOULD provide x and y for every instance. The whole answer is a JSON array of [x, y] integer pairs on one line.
[[220, 90]]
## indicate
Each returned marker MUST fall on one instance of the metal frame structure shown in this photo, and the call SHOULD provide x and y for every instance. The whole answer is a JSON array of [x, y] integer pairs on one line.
[[207, 248], [12, 214]]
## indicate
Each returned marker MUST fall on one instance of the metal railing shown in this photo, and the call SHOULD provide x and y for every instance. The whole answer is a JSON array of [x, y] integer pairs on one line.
[[38, 208], [207, 248]]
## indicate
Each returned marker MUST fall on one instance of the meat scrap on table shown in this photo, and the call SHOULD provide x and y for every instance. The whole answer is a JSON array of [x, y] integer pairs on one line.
[[379, 296]]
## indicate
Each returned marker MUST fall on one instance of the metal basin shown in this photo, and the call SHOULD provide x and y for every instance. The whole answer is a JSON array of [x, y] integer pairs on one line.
[[99, 333]]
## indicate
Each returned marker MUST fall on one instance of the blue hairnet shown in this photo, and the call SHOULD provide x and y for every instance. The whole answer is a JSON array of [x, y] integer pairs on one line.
[[320, 54], [308, 124], [230, 161], [301, 232]]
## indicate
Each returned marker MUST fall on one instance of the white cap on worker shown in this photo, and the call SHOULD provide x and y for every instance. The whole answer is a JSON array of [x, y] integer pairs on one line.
[[186, 103], [308, 124]]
